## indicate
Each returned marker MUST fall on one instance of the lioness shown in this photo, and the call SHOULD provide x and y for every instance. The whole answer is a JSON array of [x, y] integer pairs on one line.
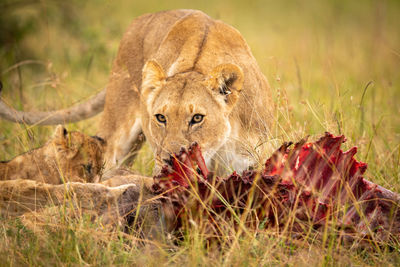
[[179, 77], [66, 157]]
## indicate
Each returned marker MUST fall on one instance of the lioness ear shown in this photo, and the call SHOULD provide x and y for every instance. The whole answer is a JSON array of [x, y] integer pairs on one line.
[[227, 80], [152, 77]]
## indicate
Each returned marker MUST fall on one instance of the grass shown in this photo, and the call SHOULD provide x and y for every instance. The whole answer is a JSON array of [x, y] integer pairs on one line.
[[332, 65]]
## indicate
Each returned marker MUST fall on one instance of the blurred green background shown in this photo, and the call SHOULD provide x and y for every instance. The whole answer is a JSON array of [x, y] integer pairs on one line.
[[332, 65]]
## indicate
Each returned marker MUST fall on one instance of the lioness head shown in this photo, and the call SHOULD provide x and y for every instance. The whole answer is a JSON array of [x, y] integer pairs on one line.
[[76, 155], [188, 107]]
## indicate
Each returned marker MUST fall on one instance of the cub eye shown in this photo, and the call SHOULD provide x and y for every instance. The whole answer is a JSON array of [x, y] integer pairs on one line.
[[88, 168], [197, 118], [161, 118]]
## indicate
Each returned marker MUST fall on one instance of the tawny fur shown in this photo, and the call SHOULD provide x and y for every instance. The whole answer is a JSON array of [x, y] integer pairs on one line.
[[120, 201], [181, 63], [178, 64], [66, 157]]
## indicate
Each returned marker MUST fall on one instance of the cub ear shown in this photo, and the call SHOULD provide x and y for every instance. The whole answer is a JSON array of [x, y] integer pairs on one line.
[[153, 76], [227, 80], [60, 134], [60, 137]]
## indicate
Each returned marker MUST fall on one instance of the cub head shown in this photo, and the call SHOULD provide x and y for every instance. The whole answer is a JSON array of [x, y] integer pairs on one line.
[[78, 157], [188, 107]]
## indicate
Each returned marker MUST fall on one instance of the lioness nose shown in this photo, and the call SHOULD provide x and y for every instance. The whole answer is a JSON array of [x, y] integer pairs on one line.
[[166, 154], [166, 157], [175, 146]]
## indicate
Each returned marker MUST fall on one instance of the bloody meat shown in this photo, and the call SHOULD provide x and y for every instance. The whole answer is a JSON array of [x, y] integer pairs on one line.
[[314, 183]]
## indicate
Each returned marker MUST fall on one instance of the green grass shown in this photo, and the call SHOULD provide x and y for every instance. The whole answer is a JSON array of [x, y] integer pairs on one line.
[[332, 66]]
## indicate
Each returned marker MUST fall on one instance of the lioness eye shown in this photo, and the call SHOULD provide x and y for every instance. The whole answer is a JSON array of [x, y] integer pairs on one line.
[[197, 118], [161, 118]]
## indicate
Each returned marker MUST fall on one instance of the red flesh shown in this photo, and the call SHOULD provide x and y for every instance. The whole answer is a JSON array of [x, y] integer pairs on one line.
[[318, 181]]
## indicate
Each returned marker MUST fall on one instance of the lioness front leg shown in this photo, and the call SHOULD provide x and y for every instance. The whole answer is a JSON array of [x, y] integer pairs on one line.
[[124, 144], [121, 125]]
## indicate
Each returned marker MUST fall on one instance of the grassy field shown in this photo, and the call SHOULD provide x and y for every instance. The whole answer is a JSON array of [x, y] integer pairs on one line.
[[332, 65]]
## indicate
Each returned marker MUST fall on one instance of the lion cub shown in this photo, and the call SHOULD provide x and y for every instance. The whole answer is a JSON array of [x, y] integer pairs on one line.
[[66, 157]]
